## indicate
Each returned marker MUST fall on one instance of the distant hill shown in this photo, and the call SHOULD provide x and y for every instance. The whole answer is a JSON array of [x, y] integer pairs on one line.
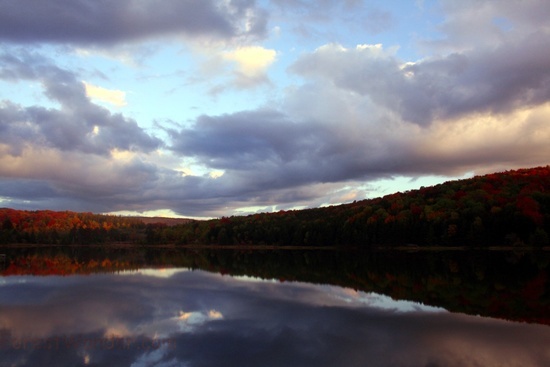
[[509, 208]]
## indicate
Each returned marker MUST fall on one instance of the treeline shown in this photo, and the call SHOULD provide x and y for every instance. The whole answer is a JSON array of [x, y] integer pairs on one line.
[[502, 209], [67, 228]]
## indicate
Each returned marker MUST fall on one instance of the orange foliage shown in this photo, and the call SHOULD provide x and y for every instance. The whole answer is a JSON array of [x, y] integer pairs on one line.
[[60, 265], [42, 223]]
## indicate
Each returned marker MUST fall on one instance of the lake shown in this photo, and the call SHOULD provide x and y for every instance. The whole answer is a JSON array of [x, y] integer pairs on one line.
[[84, 306]]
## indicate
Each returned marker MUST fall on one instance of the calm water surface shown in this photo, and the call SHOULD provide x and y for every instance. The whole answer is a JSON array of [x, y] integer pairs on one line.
[[180, 317]]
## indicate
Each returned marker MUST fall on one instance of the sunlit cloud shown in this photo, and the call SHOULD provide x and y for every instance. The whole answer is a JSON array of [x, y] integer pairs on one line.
[[167, 213], [122, 155], [95, 130], [215, 315], [117, 331], [216, 174], [466, 139], [156, 273], [252, 61], [379, 301], [188, 321], [199, 317], [114, 97]]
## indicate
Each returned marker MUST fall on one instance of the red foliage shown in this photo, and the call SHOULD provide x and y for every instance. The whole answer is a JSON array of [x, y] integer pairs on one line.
[[530, 208], [47, 220]]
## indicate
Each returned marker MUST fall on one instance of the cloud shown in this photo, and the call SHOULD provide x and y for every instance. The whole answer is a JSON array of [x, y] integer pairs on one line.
[[78, 125], [297, 155], [380, 117], [240, 68], [245, 140], [103, 22], [51, 178], [496, 81], [469, 25], [252, 60], [114, 97], [252, 63]]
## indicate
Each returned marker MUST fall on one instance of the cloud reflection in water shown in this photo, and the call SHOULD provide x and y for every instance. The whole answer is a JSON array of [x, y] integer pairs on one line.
[[194, 318]]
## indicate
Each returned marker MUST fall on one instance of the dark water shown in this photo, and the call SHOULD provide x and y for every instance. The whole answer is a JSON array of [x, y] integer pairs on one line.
[[142, 308]]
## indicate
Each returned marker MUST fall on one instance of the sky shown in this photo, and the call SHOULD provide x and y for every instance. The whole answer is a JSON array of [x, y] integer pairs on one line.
[[215, 108]]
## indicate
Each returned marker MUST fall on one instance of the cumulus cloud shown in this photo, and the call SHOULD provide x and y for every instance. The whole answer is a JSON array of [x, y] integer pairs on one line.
[[78, 125], [485, 81], [107, 22]]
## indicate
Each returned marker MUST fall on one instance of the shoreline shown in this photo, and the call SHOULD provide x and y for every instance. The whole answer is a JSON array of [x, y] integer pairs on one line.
[[407, 248]]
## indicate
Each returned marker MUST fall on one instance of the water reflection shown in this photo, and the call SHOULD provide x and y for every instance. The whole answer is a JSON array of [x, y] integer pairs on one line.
[[509, 285], [178, 317]]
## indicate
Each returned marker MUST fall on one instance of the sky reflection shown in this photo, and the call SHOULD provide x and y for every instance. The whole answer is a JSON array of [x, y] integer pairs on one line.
[[195, 318]]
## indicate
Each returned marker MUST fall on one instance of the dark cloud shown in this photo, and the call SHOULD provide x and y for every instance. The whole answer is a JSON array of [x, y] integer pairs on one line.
[[200, 319], [42, 179], [27, 190], [78, 125], [109, 22], [498, 80], [248, 139], [265, 150]]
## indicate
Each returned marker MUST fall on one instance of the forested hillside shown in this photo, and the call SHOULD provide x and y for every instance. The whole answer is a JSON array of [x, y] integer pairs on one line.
[[508, 208], [502, 209], [51, 227]]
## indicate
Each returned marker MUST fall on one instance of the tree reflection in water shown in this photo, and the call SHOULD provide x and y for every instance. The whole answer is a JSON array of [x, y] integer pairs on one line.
[[195, 318], [144, 306]]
